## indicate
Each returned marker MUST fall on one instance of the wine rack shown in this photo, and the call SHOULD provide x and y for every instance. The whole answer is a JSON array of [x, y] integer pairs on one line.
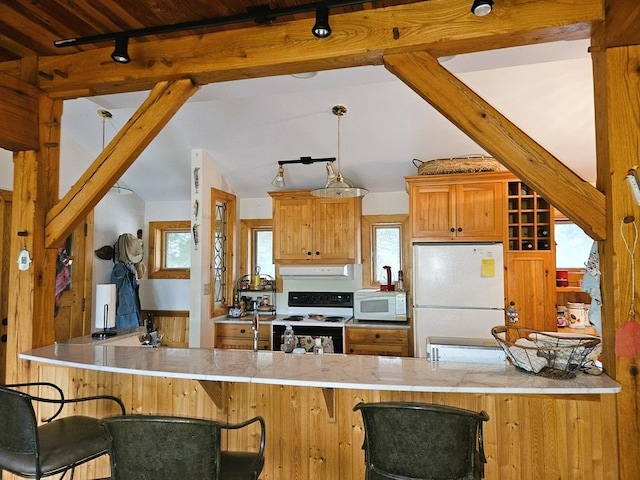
[[530, 219]]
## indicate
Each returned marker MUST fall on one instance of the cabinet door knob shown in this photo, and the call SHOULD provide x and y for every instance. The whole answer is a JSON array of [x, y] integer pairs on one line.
[[351, 350], [452, 229], [309, 253], [459, 229], [3, 339], [317, 253], [377, 335], [242, 330]]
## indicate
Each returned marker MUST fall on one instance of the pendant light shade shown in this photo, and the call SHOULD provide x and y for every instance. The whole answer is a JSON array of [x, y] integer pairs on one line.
[[337, 185]]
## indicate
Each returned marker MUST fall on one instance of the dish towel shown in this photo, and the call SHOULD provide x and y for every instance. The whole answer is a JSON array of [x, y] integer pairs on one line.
[[591, 285]]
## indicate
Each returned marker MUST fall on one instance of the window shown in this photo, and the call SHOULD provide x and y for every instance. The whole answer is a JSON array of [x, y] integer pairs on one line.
[[384, 243], [256, 246], [223, 224], [169, 249], [572, 245]]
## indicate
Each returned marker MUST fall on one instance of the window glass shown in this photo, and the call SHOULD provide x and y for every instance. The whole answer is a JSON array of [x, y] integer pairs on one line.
[[263, 251], [572, 245], [388, 250], [177, 251]]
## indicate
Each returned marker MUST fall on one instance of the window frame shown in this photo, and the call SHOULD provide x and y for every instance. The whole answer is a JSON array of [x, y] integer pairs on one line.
[[369, 223], [221, 308], [248, 227], [157, 231]]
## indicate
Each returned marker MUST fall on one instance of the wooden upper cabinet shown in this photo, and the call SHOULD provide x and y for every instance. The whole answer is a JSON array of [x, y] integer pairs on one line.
[[461, 207], [319, 230]]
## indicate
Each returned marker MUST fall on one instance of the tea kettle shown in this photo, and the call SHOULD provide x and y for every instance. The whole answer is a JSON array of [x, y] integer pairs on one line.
[[386, 286]]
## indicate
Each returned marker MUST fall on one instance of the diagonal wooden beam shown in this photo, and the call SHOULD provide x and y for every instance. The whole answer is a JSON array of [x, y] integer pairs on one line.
[[155, 112], [528, 160], [359, 38]]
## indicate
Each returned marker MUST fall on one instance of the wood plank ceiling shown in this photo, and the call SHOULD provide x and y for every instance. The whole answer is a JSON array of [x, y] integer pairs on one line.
[[28, 28]]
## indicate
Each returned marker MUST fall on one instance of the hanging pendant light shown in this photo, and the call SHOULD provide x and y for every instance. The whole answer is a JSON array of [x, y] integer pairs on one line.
[[118, 189], [338, 186]]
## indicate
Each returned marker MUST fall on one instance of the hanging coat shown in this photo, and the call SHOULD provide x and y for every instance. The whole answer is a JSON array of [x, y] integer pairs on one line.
[[127, 302]]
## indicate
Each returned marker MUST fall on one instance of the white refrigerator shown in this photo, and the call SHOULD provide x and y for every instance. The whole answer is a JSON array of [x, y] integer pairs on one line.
[[458, 291]]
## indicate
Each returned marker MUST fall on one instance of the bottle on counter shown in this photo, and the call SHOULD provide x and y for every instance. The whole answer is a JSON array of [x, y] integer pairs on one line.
[[400, 282], [288, 340], [318, 349]]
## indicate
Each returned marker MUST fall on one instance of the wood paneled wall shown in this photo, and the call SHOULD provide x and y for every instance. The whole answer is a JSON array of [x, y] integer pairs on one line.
[[527, 438], [172, 325]]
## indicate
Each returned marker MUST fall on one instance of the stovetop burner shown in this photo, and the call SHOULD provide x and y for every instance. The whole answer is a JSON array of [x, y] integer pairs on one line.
[[318, 309]]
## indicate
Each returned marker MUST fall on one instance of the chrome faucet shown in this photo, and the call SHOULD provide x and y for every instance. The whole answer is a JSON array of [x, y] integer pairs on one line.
[[255, 325]]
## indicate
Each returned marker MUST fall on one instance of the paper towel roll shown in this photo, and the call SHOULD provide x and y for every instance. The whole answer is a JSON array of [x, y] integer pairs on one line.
[[104, 313]]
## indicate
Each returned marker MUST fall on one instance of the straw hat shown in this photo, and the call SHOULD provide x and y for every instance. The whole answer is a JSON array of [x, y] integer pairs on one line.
[[130, 248]]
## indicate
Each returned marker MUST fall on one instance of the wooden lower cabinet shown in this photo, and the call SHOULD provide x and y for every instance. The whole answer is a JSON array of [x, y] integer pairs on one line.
[[377, 341], [531, 286], [240, 336]]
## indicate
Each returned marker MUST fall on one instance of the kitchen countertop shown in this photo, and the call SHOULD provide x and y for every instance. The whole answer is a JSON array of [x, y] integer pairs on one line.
[[327, 371]]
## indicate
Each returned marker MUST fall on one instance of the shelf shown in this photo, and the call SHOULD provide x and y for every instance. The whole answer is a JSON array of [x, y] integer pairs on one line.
[[569, 289], [529, 219]]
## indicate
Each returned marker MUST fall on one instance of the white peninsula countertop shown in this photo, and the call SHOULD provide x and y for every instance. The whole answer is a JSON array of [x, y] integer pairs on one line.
[[363, 372]]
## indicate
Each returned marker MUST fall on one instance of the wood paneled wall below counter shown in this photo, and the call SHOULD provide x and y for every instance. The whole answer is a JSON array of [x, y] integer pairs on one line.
[[172, 324], [527, 438]]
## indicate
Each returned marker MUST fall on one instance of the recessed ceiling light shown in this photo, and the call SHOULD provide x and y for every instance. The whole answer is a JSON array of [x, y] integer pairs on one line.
[[304, 74]]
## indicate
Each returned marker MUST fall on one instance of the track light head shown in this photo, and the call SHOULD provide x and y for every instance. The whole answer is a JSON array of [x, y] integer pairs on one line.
[[120, 53], [480, 8], [321, 29]]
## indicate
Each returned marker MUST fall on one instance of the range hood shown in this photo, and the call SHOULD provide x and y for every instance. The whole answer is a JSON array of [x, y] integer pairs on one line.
[[317, 271]]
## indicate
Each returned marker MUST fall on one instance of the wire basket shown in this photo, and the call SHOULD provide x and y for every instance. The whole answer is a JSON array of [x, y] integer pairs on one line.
[[548, 354], [466, 164]]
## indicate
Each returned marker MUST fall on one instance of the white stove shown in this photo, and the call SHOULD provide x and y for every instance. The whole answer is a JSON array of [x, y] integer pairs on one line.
[[316, 314], [318, 309]]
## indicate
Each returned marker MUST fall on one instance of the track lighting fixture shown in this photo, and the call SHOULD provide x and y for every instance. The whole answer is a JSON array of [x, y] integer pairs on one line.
[[120, 53], [321, 29], [278, 180], [261, 14], [480, 8]]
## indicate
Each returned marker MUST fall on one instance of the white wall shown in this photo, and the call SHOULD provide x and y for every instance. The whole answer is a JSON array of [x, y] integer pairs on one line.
[[160, 293]]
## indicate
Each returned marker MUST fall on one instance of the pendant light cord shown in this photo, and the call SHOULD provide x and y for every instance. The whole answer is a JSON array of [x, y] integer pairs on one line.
[[631, 250]]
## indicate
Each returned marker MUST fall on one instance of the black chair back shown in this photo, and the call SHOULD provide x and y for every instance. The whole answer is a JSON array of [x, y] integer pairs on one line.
[[18, 433], [422, 441]]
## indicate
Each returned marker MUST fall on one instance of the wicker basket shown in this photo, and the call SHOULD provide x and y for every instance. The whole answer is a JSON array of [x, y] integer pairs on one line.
[[549, 354], [467, 164]]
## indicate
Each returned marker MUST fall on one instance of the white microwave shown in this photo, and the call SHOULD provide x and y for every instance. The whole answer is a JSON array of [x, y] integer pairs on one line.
[[380, 306]]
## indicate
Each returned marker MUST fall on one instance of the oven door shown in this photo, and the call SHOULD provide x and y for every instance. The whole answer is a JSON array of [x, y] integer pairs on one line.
[[335, 333]]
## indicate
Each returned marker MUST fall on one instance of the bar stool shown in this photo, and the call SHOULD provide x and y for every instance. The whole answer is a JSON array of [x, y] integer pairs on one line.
[[57, 446], [158, 447], [418, 441]]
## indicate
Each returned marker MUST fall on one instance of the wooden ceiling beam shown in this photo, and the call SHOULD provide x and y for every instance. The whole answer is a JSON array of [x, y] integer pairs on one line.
[[442, 27], [18, 114], [528, 160], [163, 102]]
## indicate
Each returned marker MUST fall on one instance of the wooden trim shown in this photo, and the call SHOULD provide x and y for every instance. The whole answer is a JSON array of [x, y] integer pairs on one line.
[[230, 200], [247, 228], [370, 221], [157, 247]]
